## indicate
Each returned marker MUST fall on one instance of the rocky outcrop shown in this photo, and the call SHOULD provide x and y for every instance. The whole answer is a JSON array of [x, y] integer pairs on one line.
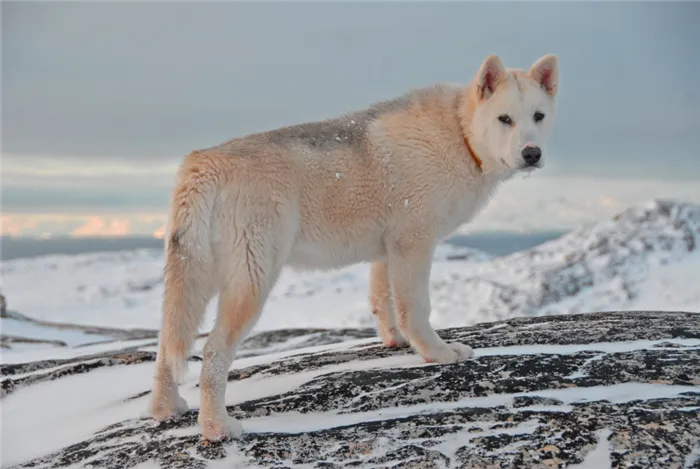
[[590, 390], [3, 306]]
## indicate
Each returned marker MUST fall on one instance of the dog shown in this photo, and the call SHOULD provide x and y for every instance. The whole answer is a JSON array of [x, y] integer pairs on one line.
[[381, 185]]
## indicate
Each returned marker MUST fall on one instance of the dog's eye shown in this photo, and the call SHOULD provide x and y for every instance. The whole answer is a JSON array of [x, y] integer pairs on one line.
[[505, 118], [538, 116]]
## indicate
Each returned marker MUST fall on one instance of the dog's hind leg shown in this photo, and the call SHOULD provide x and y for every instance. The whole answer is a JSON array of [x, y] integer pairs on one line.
[[188, 290], [249, 269], [383, 307]]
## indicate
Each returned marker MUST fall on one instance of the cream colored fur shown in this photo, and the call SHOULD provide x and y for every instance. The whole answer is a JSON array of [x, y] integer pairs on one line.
[[383, 185]]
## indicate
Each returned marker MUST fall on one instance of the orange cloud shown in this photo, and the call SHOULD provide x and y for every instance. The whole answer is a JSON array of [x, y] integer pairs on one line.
[[96, 226], [12, 226], [159, 233]]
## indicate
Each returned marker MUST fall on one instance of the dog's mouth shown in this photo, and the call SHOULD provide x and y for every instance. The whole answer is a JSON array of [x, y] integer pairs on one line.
[[527, 168], [531, 168]]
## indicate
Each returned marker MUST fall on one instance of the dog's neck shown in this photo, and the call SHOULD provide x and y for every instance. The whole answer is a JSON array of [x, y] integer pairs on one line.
[[465, 111], [471, 151]]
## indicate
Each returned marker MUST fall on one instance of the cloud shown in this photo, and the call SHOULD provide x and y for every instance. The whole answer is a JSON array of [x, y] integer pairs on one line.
[[96, 226], [82, 224], [12, 226], [46, 183], [159, 233]]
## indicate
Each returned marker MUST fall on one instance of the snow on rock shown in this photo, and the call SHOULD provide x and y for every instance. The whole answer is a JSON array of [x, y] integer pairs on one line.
[[99, 354], [18, 329], [617, 389]]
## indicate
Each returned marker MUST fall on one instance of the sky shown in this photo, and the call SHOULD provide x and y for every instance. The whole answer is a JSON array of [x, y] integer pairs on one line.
[[101, 100]]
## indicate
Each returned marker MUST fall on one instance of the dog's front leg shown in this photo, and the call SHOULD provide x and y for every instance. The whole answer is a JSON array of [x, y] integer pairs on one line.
[[409, 271]]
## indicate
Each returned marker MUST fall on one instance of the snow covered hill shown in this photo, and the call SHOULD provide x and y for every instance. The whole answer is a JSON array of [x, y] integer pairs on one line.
[[588, 391], [618, 264], [647, 257]]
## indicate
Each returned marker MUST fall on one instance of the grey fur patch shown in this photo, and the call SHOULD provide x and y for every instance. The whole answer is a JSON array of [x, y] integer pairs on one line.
[[349, 129]]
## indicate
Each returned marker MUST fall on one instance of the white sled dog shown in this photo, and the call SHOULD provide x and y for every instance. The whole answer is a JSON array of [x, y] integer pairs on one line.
[[381, 185]]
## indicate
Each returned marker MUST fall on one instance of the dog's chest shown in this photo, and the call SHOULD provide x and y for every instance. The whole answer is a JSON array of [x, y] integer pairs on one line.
[[461, 206]]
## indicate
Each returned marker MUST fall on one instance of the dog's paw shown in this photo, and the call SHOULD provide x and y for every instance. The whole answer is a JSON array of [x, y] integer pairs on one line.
[[449, 353], [391, 337], [220, 429], [166, 408]]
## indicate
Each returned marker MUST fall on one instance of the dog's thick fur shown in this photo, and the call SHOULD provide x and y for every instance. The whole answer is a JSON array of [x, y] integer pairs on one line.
[[382, 185]]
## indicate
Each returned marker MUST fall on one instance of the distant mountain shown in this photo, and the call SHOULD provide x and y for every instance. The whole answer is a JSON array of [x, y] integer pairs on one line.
[[604, 267]]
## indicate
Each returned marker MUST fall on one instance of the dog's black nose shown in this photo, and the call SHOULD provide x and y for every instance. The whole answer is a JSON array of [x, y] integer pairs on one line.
[[532, 155]]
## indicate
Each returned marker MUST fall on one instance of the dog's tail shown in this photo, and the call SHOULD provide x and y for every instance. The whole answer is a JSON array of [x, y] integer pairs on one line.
[[189, 265]]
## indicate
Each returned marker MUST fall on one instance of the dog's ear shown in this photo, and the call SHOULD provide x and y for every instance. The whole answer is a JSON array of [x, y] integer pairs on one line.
[[546, 72], [489, 75]]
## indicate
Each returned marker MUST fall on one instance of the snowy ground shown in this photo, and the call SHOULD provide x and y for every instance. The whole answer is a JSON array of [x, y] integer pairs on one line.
[[125, 290]]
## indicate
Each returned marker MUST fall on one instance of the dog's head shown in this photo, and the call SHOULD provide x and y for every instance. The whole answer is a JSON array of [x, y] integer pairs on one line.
[[511, 113]]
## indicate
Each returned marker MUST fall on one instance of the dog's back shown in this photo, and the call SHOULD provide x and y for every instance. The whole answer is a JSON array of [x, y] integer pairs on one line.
[[337, 182]]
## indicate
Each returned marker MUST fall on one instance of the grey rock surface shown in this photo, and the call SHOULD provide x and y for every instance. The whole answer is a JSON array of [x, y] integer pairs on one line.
[[591, 390]]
